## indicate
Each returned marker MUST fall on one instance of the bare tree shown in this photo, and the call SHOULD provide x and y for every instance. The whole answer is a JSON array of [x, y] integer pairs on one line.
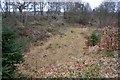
[[41, 7], [34, 4], [106, 14], [20, 6], [6, 7]]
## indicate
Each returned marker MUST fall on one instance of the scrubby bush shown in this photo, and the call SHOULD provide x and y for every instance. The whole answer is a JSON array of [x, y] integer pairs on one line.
[[11, 52], [51, 30], [94, 38], [109, 39]]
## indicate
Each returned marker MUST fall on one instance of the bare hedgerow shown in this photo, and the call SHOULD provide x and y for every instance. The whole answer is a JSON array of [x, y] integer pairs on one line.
[[109, 39]]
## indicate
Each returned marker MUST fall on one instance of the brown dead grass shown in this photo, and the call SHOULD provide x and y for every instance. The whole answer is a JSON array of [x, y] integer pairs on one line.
[[66, 49]]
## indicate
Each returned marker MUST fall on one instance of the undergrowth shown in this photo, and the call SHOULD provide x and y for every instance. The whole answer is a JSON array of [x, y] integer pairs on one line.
[[94, 38], [11, 52]]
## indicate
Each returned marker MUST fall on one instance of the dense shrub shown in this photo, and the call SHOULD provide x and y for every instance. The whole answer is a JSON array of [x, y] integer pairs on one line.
[[94, 38], [11, 52]]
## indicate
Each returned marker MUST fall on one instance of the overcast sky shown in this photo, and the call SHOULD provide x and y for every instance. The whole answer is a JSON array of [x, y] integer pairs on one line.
[[93, 3]]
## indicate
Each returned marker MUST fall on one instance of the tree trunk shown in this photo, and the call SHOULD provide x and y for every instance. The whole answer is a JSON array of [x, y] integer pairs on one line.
[[34, 8], [6, 9], [64, 13], [21, 14], [41, 8]]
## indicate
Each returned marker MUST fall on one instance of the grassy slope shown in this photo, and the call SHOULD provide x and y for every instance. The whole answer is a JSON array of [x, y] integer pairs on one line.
[[63, 56]]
